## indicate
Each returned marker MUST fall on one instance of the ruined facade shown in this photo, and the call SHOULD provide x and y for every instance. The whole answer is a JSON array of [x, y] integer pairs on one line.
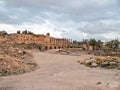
[[44, 41]]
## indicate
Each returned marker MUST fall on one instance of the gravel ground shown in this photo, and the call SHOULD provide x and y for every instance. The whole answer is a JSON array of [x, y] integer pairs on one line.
[[62, 72]]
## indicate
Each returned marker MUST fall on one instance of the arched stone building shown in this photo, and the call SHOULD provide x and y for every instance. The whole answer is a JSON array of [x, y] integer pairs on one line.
[[45, 41]]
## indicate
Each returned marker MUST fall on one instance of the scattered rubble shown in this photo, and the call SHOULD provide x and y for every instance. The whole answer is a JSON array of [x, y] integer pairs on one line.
[[115, 53], [104, 62], [15, 60]]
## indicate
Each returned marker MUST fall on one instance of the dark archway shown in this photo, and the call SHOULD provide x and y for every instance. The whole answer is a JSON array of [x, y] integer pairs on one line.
[[40, 47], [50, 47], [55, 47], [46, 47]]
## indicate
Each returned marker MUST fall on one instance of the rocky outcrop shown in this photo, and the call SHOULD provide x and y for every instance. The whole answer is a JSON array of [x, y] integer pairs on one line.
[[104, 62]]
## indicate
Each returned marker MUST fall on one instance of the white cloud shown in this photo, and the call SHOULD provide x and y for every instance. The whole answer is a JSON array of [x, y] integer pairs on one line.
[[76, 19], [112, 36]]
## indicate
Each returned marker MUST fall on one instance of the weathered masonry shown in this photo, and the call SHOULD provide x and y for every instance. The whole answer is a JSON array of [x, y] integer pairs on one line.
[[44, 41]]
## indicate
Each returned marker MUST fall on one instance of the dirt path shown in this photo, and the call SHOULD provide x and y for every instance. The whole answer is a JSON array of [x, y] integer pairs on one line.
[[62, 72]]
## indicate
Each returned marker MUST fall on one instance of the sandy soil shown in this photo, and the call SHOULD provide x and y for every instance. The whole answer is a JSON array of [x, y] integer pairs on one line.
[[62, 72]]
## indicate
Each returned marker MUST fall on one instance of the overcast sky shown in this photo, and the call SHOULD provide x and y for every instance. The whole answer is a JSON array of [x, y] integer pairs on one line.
[[75, 19]]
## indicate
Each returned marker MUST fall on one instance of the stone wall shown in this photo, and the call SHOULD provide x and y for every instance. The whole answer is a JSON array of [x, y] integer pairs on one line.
[[44, 40]]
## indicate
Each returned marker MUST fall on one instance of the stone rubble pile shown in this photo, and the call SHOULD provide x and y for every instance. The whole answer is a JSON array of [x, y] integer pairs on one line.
[[108, 62], [15, 60], [108, 53]]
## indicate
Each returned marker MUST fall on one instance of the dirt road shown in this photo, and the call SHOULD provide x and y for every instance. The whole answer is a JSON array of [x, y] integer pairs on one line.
[[62, 72]]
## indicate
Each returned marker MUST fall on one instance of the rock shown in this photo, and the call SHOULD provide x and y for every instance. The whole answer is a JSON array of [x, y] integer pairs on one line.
[[13, 60], [92, 59], [78, 61], [98, 83], [108, 62], [94, 65], [104, 64], [20, 52], [108, 56], [11, 49], [118, 66], [113, 63], [81, 61], [88, 62]]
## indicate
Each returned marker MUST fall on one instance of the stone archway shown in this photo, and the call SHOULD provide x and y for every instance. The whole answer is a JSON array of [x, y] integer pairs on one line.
[[50, 47], [40, 47], [55, 47], [67, 46], [46, 47]]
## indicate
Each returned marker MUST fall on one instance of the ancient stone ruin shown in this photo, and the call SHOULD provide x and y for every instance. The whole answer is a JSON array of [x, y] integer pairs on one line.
[[43, 41]]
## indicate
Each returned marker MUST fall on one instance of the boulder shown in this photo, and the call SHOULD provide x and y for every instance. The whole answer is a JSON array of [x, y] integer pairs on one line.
[[94, 64], [113, 63], [20, 52], [118, 66], [88, 62], [104, 64]]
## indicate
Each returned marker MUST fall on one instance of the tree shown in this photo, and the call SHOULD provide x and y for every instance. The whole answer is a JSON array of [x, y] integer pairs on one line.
[[18, 32], [3, 33], [93, 43], [48, 34], [29, 32], [109, 44], [86, 42], [113, 44], [99, 44], [116, 44], [24, 32]]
